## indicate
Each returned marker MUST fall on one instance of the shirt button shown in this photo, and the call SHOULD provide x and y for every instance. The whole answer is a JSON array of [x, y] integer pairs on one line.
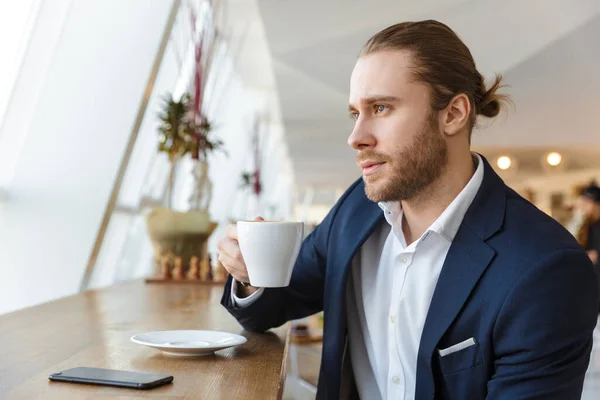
[[392, 319], [396, 380], [402, 260]]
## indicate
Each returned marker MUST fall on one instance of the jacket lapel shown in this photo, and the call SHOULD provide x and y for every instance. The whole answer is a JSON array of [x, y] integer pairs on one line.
[[356, 227], [353, 225], [467, 260]]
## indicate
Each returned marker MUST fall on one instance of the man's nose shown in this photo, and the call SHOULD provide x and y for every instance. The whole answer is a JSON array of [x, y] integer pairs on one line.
[[361, 136]]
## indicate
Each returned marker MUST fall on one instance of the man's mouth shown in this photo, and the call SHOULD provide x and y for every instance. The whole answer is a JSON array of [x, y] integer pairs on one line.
[[368, 167]]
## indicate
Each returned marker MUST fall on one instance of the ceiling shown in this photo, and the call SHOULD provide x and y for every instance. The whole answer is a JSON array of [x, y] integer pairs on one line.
[[547, 51]]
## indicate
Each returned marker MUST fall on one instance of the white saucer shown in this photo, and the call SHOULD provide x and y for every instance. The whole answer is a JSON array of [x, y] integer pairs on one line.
[[188, 343]]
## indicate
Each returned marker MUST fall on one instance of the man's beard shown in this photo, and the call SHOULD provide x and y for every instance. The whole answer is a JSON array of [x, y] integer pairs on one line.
[[411, 170]]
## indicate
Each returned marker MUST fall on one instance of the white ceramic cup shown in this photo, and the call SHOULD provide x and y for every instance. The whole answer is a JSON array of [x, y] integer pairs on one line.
[[270, 249]]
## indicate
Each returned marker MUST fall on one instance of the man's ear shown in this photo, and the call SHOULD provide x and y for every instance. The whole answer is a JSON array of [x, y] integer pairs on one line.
[[456, 115]]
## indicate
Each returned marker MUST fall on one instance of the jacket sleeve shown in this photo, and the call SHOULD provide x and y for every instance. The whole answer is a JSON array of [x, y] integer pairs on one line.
[[544, 330], [304, 295]]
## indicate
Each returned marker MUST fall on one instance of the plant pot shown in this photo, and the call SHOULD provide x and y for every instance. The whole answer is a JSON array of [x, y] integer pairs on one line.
[[179, 234]]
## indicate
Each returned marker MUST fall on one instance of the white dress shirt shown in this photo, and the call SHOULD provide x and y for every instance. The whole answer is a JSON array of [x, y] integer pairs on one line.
[[390, 287]]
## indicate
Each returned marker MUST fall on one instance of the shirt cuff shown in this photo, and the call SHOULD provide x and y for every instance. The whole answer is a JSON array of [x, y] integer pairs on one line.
[[246, 301]]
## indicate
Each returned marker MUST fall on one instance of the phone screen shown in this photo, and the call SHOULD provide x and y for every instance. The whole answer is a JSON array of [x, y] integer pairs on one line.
[[111, 377]]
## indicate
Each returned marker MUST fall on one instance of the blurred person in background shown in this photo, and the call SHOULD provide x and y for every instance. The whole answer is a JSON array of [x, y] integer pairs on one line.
[[583, 214], [589, 235]]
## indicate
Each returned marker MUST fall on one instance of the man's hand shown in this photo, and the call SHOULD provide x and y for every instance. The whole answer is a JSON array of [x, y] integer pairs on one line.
[[231, 258]]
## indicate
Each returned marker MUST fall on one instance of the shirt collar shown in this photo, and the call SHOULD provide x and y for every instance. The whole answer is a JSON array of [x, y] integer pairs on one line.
[[449, 221], [391, 210]]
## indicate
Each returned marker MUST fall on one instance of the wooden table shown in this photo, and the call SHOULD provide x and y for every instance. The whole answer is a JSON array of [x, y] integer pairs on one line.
[[92, 329]]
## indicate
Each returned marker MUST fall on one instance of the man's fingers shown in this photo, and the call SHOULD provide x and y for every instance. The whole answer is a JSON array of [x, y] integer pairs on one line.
[[230, 264], [232, 232], [238, 272], [230, 248]]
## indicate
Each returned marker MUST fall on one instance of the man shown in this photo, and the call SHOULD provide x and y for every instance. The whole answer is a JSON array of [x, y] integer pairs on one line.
[[590, 205], [586, 211], [436, 279]]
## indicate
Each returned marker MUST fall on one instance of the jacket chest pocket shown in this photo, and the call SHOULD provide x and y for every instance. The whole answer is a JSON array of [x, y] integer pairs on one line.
[[452, 360]]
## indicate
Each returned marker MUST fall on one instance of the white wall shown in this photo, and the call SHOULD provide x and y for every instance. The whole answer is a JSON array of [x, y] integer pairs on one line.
[[88, 89], [70, 117], [16, 24], [22, 88]]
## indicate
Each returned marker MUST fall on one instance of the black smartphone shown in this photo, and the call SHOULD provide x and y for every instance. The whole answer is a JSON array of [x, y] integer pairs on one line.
[[111, 377]]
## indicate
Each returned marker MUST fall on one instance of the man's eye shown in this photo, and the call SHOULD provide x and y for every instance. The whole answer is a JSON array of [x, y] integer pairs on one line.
[[354, 115], [379, 108]]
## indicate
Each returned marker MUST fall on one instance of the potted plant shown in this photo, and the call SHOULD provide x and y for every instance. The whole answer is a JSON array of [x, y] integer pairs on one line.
[[185, 131], [176, 233]]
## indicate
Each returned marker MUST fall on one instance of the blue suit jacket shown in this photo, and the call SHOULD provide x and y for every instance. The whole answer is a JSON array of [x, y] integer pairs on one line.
[[513, 279]]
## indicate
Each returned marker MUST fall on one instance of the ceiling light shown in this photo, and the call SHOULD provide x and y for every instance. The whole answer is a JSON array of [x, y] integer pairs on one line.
[[504, 162], [554, 159]]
